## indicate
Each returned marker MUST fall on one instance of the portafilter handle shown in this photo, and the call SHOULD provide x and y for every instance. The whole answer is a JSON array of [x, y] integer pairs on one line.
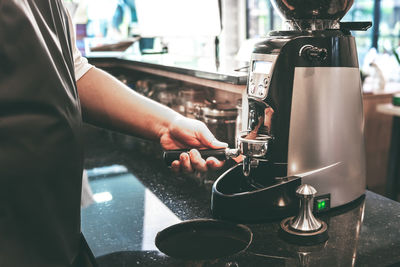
[[222, 154]]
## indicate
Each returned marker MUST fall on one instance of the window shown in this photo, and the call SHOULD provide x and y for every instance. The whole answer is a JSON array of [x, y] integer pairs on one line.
[[362, 10], [389, 26], [261, 18], [104, 18]]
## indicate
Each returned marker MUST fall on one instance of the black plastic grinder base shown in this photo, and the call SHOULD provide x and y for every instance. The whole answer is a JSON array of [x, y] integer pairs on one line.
[[303, 238]]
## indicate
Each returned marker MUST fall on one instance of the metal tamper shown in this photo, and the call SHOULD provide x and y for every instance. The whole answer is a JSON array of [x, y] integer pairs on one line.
[[304, 229]]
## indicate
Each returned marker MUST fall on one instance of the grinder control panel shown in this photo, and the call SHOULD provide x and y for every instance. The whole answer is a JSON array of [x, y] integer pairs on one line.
[[260, 75]]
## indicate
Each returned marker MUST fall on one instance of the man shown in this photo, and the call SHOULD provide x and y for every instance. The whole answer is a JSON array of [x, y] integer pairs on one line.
[[41, 75]]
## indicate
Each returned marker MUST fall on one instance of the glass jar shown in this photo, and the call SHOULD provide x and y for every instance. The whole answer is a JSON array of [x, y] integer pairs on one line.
[[221, 120], [193, 99]]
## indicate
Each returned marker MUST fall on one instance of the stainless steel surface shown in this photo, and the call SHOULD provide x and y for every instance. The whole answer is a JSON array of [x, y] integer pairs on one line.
[[246, 166], [216, 113], [221, 120], [312, 9], [252, 148], [326, 141], [232, 152], [193, 99], [306, 191], [305, 220], [312, 24]]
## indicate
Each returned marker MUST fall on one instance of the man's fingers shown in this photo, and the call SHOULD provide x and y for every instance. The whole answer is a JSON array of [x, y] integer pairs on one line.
[[185, 163], [218, 144], [207, 138], [214, 163], [197, 161], [176, 166]]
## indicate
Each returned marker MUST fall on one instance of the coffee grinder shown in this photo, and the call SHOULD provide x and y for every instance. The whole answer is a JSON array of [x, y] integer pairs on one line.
[[303, 104]]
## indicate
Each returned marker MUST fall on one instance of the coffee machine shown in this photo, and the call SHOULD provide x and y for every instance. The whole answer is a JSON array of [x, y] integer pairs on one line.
[[303, 105]]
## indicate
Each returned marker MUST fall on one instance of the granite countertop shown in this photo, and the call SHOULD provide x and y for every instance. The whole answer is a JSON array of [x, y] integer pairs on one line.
[[138, 196]]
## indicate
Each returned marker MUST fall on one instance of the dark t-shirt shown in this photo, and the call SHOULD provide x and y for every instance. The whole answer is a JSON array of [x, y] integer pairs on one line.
[[40, 137]]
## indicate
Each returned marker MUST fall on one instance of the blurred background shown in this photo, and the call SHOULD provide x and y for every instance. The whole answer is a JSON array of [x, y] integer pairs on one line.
[[242, 22]]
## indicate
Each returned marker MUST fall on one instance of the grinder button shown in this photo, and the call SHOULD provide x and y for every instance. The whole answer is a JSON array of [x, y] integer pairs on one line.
[[313, 53], [261, 89], [252, 88], [266, 81]]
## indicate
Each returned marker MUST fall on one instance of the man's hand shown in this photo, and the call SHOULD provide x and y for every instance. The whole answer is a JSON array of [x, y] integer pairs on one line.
[[189, 133], [108, 103]]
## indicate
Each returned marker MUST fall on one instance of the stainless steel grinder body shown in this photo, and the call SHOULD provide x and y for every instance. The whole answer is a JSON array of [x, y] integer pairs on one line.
[[311, 82]]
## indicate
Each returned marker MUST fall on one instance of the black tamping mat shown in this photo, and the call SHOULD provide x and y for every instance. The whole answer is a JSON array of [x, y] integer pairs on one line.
[[203, 239], [303, 238]]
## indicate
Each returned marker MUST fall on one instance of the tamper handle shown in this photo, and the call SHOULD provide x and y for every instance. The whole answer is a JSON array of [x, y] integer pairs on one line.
[[305, 220], [306, 191]]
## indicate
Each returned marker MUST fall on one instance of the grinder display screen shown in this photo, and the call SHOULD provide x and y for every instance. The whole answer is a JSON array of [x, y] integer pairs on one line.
[[262, 67]]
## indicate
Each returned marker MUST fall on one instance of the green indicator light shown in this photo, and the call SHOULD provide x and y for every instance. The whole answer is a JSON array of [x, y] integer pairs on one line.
[[321, 205]]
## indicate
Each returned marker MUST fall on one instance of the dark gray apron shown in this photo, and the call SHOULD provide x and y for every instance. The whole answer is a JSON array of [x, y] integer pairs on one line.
[[40, 138]]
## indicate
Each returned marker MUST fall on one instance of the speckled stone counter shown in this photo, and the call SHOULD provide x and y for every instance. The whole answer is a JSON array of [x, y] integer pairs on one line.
[[138, 196]]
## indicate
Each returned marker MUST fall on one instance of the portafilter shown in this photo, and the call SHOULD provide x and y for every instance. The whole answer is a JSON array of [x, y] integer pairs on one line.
[[250, 146]]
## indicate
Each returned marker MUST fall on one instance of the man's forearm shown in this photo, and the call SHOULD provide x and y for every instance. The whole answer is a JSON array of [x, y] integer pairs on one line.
[[108, 103]]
